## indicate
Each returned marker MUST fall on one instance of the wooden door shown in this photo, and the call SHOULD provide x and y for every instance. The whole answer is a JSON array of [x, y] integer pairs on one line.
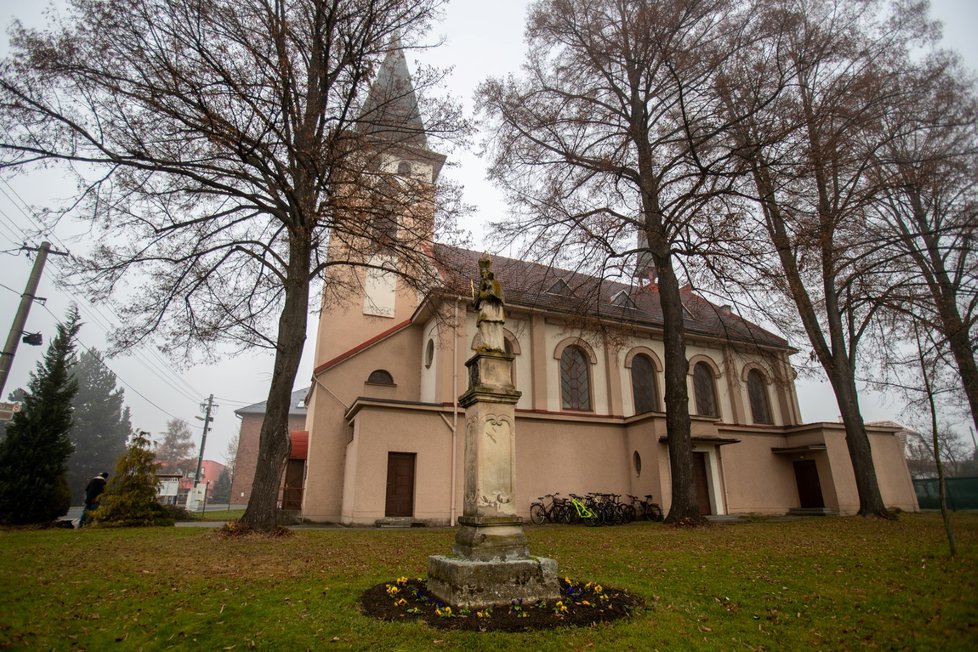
[[400, 484], [809, 488], [292, 494], [701, 484]]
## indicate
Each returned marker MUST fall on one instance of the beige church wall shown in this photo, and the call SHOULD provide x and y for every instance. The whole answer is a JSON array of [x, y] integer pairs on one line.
[[896, 486], [429, 372], [520, 328], [756, 481], [329, 432], [325, 463], [600, 453], [344, 326], [351, 463], [835, 470], [568, 456], [382, 430], [642, 437]]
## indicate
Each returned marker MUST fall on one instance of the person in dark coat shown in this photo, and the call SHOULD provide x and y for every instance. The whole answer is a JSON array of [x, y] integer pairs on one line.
[[93, 490]]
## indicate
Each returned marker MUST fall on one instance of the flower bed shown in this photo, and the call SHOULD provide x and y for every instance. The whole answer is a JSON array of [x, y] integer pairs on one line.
[[580, 604]]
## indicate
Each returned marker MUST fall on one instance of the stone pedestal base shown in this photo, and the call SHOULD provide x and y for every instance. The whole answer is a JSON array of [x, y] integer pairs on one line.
[[477, 584], [481, 538]]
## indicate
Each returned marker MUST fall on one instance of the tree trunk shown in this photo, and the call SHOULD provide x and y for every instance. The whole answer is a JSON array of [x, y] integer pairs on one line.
[[273, 443], [683, 505], [857, 441], [831, 354]]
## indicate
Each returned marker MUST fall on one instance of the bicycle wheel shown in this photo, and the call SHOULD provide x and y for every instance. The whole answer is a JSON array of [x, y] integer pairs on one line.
[[654, 512], [538, 514], [592, 519], [627, 513]]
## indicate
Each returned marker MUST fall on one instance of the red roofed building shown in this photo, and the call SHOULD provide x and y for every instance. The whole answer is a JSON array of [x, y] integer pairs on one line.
[[385, 434]]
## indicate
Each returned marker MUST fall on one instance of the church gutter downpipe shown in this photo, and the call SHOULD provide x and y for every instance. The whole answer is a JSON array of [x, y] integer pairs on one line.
[[454, 409]]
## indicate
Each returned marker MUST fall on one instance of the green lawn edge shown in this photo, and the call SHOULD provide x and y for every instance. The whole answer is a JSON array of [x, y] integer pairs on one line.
[[819, 584]]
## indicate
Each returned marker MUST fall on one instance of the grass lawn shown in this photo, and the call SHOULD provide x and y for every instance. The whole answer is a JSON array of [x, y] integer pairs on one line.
[[220, 515], [828, 583]]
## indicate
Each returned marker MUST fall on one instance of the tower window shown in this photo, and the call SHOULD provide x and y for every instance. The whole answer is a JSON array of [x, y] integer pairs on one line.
[[429, 354], [380, 377]]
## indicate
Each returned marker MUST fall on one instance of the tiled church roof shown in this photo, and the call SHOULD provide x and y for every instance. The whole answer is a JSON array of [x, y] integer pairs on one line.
[[532, 285]]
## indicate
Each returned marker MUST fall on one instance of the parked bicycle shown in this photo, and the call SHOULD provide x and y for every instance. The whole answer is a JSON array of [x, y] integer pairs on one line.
[[541, 513], [593, 509]]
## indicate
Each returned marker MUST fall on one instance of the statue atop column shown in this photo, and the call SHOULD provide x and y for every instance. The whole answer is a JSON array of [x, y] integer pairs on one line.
[[491, 562], [491, 306]]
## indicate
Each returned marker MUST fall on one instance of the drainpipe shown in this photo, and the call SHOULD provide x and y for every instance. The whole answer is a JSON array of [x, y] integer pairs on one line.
[[454, 407]]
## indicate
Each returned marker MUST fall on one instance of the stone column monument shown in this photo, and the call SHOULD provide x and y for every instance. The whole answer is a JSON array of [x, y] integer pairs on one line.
[[491, 564]]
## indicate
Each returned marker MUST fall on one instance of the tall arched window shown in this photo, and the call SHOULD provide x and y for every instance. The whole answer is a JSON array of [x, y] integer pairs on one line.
[[704, 390], [575, 382], [760, 409], [645, 393]]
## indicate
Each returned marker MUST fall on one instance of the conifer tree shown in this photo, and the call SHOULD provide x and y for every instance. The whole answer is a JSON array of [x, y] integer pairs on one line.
[[222, 489], [130, 497], [34, 453], [100, 422]]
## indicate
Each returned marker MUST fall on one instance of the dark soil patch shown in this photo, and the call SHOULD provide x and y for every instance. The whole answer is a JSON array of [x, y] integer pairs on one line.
[[580, 604]]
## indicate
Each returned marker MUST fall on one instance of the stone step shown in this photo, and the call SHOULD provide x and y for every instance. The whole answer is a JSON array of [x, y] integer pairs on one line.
[[398, 522]]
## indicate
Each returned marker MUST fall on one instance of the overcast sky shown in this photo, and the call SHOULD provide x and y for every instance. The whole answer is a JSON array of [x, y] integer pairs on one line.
[[482, 39]]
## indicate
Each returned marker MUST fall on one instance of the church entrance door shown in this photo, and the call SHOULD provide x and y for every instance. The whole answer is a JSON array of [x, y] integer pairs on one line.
[[809, 488], [400, 484], [701, 484]]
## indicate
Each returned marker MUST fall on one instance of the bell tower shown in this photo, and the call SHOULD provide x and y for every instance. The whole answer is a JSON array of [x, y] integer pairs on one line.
[[389, 216]]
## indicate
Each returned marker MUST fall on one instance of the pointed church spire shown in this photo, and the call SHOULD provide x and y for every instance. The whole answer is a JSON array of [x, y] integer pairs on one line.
[[391, 111]]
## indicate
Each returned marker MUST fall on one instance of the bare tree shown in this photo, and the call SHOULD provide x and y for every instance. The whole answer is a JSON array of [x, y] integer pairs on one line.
[[610, 133], [833, 68], [927, 215], [925, 374], [218, 146]]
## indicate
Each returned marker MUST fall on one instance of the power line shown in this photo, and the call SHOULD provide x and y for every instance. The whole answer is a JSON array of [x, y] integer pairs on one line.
[[17, 292], [93, 350]]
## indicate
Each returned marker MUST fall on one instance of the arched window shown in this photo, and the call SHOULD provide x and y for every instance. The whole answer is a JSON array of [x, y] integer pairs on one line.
[[404, 168], [575, 382], [645, 393], [704, 390], [429, 354], [380, 377], [760, 409]]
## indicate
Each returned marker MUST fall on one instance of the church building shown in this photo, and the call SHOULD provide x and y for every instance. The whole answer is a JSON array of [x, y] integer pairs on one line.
[[386, 433]]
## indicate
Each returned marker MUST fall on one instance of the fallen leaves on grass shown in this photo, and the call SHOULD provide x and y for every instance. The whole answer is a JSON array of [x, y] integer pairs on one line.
[[234, 529]]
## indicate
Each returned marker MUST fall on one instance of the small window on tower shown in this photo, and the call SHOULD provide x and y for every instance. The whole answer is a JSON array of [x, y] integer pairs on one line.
[[429, 354], [404, 168], [380, 377]]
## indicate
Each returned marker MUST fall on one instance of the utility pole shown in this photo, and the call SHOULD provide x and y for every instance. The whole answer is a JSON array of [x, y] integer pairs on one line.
[[26, 299], [203, 439], [194, 498]]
